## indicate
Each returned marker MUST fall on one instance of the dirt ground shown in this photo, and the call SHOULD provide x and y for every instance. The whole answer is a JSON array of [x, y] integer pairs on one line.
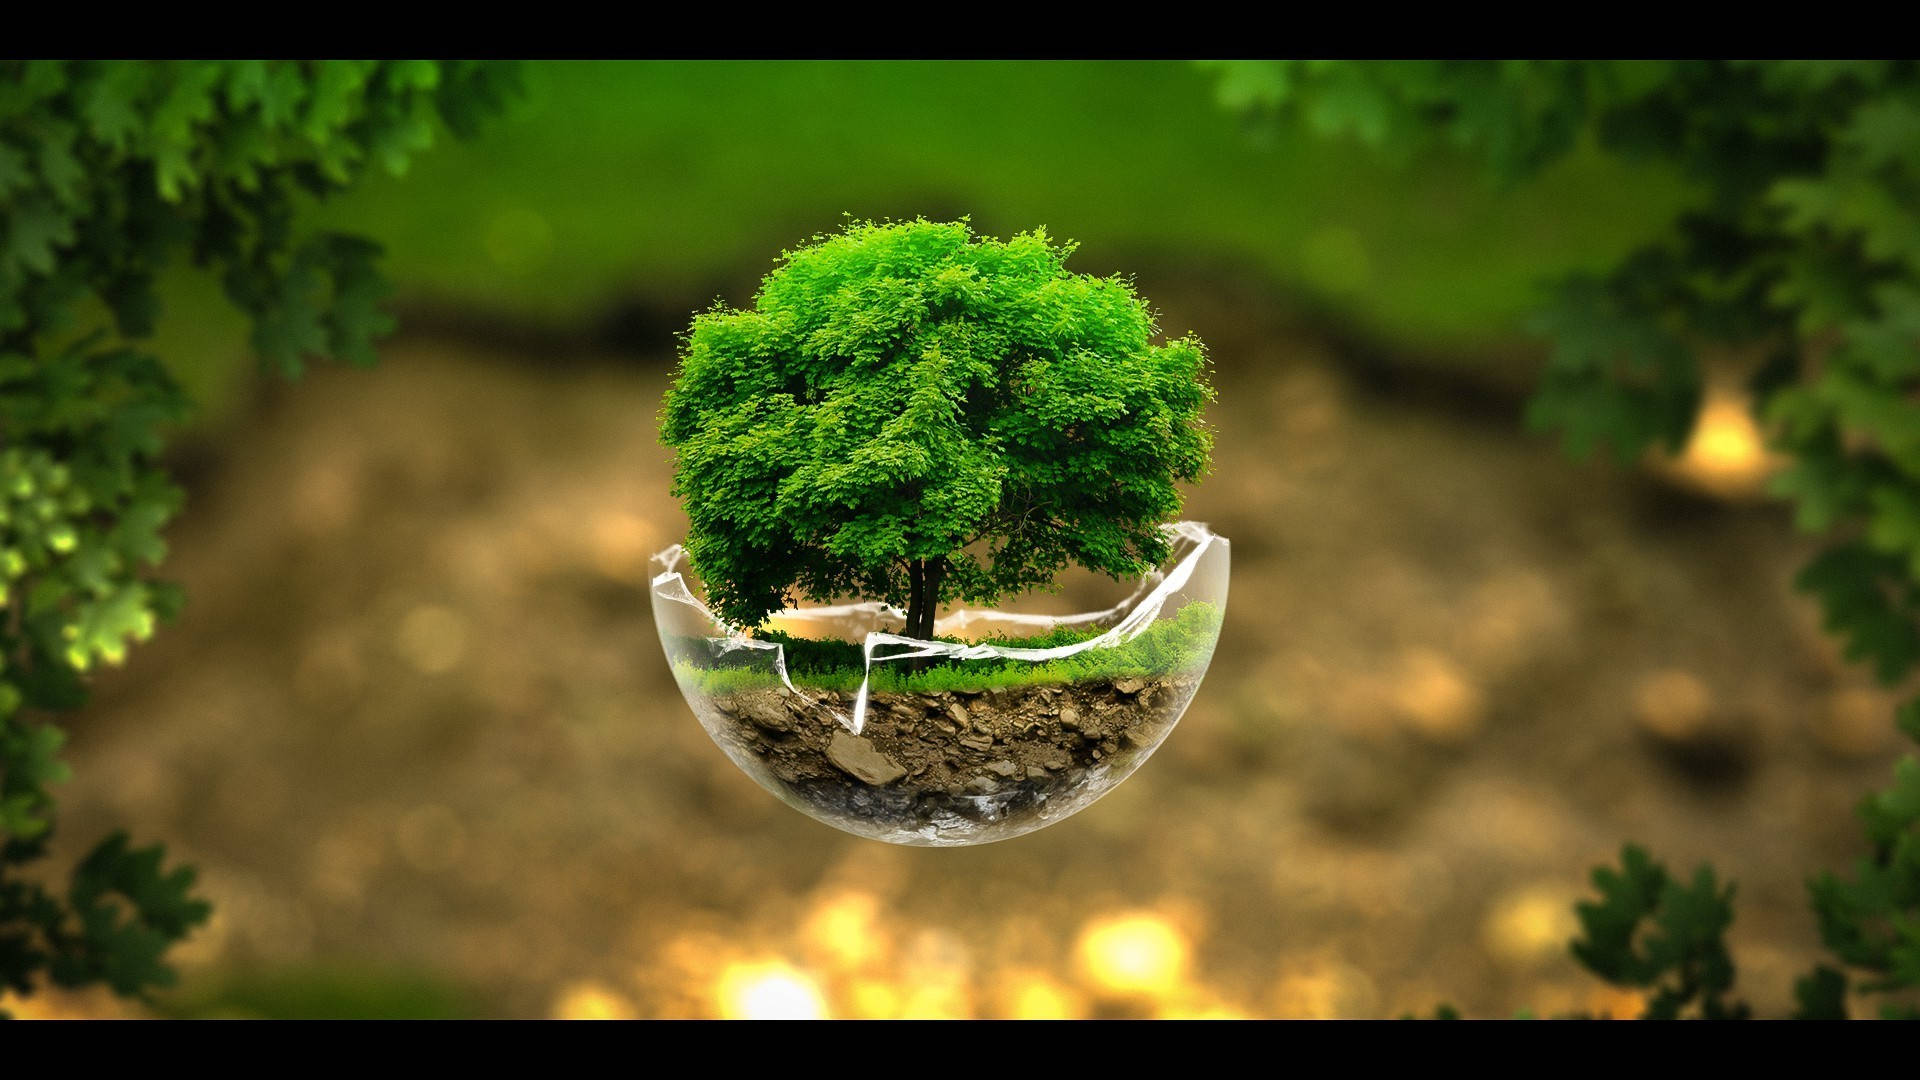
[[416, 720]]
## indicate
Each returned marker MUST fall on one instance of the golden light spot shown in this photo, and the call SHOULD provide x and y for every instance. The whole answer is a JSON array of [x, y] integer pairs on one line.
[[1135, 953], [937, 1001], [1531, 925], [432, 638], [768, 990], [1857, 722], [622, 545], [1725, 455], [1033, 995], [935, 972], [592, 1001], [873, 999], [844, 930], [1434, 697], [1616, 1003], [1673, 705], [431, 837]]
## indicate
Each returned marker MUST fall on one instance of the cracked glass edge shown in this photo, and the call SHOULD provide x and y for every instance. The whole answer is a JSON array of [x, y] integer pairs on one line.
[[1191, 541]]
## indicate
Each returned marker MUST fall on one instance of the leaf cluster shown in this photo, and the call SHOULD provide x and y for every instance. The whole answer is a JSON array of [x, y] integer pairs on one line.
[[1803, 249], [110, 172]]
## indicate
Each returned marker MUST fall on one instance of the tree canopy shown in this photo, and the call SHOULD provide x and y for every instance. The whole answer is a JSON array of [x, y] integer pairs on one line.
[[913, 414]]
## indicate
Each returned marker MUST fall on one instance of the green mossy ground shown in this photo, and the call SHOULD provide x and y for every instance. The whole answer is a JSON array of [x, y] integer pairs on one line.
[[1178, 644]]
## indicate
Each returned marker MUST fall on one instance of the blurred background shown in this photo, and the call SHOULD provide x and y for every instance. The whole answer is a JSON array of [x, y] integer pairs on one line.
[[417, 733]]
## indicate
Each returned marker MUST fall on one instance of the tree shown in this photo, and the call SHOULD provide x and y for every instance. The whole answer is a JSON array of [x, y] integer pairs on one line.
[[108, 171], [912, 414], [1802, 250]]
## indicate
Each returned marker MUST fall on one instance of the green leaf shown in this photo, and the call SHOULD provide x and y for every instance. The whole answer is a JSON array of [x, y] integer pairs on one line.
[[1616, 377], [35, 230], [174, 130], [1908, 719], [1650, 930], [60, 170], [16, 170], [1821, 995], [110, 102], [129, 909], [1868, 600], [29, 763]]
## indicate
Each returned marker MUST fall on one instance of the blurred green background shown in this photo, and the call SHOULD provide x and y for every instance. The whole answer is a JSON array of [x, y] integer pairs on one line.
[[666, 184]]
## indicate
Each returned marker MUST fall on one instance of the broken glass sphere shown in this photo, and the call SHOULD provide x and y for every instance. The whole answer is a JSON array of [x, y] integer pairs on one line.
[[1023, 721]]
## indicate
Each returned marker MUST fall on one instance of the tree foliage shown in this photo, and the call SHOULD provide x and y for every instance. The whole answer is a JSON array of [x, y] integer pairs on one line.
[[1802, 250], [913, 414], [110, 171]]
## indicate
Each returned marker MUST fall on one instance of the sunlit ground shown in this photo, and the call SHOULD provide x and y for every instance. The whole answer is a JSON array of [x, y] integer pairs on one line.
[[416, 720]]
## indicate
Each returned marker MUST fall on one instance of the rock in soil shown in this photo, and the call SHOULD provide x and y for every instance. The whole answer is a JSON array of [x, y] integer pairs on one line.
[[858, 758], [925, 762]]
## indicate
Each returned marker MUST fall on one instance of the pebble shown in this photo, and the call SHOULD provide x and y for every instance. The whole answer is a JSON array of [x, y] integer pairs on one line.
[[1129, 687], [860, 759], [1002, 768], [981, 785], [768, 715], [977, 742], [1070, 718], [959, 714]]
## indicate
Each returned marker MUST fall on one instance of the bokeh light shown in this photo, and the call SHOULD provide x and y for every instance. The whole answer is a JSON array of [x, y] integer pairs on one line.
[[768, 990], [1726, 455], [1133, 953]]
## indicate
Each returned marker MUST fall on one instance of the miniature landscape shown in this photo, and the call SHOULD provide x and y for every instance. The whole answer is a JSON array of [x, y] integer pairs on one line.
[[943, 752]]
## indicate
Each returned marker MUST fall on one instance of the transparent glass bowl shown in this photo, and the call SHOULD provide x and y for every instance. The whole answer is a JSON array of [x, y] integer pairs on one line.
[[937, 744]]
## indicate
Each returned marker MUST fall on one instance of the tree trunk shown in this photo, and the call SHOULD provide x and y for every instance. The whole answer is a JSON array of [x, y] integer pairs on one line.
[[923, 600], [916, 577]]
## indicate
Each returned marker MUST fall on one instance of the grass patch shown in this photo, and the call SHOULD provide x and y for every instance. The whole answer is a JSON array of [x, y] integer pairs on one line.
[[1168, 647]]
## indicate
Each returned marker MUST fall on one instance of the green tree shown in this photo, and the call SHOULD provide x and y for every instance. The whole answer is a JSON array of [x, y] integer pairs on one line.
[[1802, 250], [912, 414], [108, 172]]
